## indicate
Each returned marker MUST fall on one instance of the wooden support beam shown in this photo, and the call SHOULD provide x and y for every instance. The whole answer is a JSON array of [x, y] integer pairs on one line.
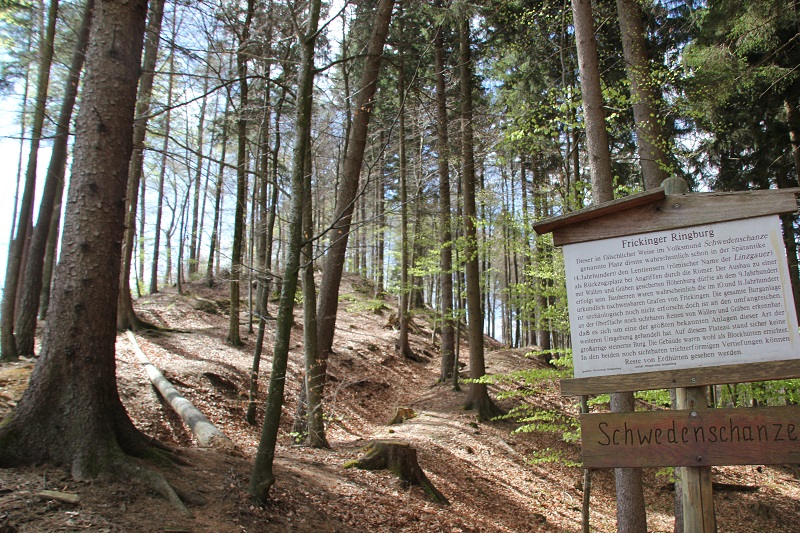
[[685, 377], [655, 211]]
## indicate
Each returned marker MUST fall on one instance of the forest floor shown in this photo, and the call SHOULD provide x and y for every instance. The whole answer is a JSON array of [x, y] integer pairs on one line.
[[495, 479]]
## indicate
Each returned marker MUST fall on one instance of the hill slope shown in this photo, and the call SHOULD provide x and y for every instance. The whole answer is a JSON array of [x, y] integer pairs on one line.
[[484, 470]]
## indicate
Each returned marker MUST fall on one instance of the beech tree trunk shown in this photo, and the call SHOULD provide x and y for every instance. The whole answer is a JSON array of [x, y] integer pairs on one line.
[[163, 169], [263, 477], [241, 178], [207, 434], [194, 246], [71, 413], [315, 366], [218, 198]]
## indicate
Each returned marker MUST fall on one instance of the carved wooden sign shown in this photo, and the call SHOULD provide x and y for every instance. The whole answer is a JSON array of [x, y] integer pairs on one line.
[[764, 435]]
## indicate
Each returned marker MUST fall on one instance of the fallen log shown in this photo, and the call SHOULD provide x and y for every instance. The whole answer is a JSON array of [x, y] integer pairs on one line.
[[67, 497], [400, 459], [207, 434]]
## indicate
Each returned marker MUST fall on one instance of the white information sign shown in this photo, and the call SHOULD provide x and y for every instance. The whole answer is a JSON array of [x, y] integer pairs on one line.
[[708, 295]]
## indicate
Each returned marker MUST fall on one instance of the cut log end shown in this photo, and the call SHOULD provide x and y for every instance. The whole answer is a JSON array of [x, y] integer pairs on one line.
[[400, 459]]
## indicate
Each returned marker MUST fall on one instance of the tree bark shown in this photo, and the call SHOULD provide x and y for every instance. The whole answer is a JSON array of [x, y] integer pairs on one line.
[[50, 250], [126, 317], [380, 222], [207, 434], [405, 287], [196, 215], [789, 234], [163, 167], [328, 303], [315, 366], [14, 264], [593, 112], [241, 178], [32, 285], [631, 516], [401, 459], [478, 393], [445, 233], [218, 197], [650, 139], [71, 413], [263, 477]]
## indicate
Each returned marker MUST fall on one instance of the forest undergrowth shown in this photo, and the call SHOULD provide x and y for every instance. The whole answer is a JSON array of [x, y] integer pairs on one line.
[[504, 476]]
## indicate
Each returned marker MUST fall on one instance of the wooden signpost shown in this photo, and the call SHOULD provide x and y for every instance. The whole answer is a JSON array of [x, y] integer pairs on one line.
[[711, 437], [682, 291]]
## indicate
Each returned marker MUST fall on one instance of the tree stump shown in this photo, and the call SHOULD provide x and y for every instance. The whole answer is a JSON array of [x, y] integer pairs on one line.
[[401, 459], [401, 415]]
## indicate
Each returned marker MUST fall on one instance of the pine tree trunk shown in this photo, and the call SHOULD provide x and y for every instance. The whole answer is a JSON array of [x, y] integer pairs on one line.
[[380, 221], [126, 317], [649, 135], [631, 516], [16, 252], [478, 394], [71, 413], [405, 290], [445, 235], [23, 129], [594, 114], [32, 286], [50, 251], [789, 233]]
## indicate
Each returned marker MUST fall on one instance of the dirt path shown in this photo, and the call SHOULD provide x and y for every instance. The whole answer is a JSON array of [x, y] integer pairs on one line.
[[496, 480]]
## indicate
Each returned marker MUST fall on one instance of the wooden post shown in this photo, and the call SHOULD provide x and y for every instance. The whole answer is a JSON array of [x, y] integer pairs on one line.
[[587, 478], [664, 215], [697, 495]]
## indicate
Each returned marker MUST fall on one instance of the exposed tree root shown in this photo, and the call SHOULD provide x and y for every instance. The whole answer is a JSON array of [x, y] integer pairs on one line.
[[408, 353], [153, 480], [486, 409]]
